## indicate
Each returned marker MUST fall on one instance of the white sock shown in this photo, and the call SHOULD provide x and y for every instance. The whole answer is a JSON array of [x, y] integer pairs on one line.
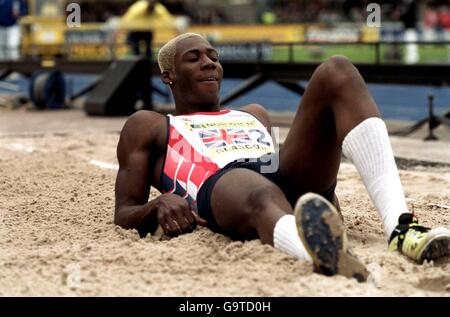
[[367, 145], [286, 239]]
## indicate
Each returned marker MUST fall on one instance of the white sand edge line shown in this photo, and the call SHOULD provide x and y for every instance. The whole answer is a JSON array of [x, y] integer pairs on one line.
[[104, 165], [440, 206], [44, 133], [25, 135], [19, 147]]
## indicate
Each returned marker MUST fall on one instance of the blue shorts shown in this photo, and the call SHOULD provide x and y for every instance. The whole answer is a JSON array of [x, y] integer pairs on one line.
[[204, 195]]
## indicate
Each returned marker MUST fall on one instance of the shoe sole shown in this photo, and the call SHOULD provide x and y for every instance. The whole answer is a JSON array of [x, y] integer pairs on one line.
[[437, 247], [323, 234]]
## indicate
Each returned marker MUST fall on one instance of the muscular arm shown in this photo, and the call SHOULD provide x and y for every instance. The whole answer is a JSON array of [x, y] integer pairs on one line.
[[137, 153], [134, 153]]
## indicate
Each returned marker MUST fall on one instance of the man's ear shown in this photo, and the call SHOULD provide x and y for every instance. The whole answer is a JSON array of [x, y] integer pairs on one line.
[[167, 77]]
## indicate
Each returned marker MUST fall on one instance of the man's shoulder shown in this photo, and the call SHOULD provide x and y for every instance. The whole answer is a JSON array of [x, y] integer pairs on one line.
[[143, 117], [259, 112], [254, 107], [144, 125]]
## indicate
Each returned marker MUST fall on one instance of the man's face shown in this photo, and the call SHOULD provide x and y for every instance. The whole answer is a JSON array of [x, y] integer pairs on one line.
[[198, 72]]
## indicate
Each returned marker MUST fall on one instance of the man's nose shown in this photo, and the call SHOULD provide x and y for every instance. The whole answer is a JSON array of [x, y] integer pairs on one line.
[[207, 62]]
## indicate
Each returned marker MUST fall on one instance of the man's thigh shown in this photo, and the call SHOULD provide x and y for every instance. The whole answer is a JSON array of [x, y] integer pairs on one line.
[[237, 194], [310, 154]]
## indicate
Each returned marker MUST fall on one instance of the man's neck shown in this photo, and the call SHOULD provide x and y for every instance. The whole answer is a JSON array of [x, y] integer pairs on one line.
[[189, 110]]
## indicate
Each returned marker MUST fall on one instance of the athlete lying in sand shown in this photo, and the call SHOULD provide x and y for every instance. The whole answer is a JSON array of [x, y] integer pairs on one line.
[[218, 167]]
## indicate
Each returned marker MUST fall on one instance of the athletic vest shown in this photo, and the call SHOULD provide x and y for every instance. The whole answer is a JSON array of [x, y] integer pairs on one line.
[[201, 143]]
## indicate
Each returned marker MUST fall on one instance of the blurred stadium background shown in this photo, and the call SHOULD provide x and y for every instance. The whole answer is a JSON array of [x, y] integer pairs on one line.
[[44, 28], [411, 32]]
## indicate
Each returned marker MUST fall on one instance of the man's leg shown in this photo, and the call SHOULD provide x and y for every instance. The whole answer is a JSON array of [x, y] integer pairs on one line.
[[335, 101], [337, 112], [246, 205]]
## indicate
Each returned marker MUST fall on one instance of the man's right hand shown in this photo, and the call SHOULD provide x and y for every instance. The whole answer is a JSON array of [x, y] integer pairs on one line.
[[175, 215]]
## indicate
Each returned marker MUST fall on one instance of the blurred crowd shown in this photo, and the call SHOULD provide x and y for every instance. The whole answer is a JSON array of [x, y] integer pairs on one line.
[[435, 13], [203, 14], [430, 17]]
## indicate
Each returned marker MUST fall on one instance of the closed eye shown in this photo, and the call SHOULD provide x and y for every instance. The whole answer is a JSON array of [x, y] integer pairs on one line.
[[194, 58], [191, 58]]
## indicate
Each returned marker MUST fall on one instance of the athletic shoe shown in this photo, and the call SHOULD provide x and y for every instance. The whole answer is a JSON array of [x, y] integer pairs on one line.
[[323, 234], [418, 242]]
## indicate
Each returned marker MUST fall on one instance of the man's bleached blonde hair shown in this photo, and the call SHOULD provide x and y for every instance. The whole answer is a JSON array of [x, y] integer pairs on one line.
[[166, 55]]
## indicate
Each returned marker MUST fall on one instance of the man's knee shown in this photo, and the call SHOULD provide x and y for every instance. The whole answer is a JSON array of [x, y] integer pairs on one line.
[[340, 73]]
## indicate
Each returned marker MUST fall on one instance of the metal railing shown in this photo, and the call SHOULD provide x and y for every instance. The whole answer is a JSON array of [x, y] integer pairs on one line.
[[376, 47], [290, 52]]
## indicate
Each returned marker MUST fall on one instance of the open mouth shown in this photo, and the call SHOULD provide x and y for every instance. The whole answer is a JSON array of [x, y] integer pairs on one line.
[[209, 79]]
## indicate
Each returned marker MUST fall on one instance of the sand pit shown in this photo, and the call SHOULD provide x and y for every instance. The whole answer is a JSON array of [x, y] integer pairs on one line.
[[57, 236]]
